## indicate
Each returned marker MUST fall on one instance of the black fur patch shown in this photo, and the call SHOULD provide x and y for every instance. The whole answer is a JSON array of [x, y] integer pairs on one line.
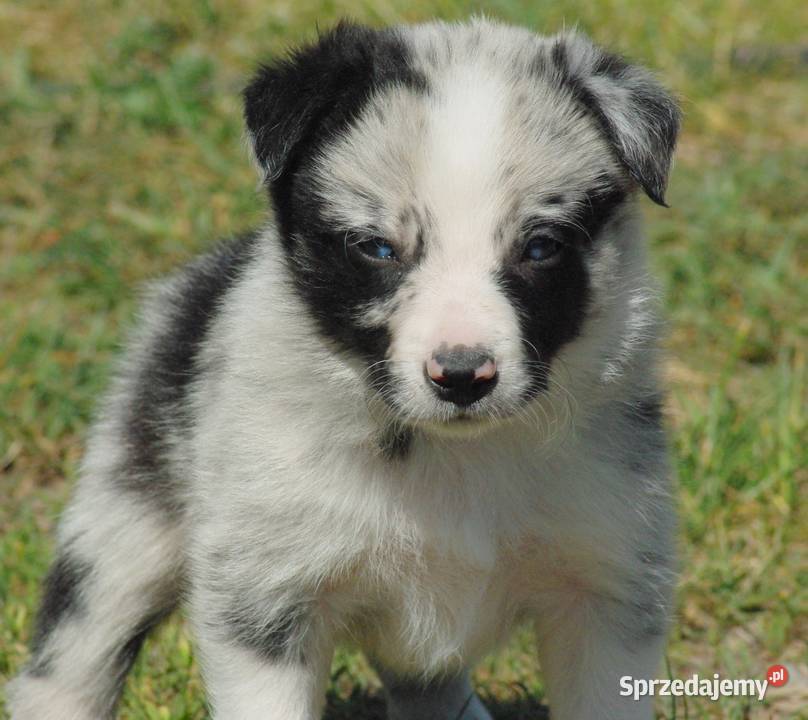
[[645, 618], [40, 666], [294, 105], [559, 56], [645, 415], [162, 384], [293, 108], [648, 412], [280, 639], [126, 656], [61, 599], [656, 113], [552, 303], [598, 209], [646, 418], [396, 442], [647, 611], [128, 653]]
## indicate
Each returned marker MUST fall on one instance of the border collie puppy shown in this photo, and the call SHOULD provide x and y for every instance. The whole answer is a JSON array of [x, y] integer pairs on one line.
[[416, 408]]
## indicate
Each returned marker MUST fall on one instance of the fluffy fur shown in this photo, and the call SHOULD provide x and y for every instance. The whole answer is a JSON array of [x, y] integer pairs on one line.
[[274, 454]]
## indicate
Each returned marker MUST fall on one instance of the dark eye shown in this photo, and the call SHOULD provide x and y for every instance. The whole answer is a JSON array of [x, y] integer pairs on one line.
[[541, 249], [376, 248]]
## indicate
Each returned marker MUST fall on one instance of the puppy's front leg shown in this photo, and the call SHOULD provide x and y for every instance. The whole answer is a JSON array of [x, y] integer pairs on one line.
[[588, 642], [242, 685], [262, 661]]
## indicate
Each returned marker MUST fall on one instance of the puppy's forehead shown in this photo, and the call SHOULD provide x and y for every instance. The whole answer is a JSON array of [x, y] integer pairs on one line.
[[489, 138]]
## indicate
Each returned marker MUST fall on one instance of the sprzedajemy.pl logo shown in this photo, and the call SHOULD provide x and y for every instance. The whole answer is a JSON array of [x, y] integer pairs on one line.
[[712, 688]]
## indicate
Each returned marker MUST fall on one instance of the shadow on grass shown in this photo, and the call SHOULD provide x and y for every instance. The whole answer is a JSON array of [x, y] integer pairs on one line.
[[366, 705]]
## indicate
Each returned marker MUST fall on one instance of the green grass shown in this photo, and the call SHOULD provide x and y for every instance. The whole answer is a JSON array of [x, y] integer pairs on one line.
[[121, 156]]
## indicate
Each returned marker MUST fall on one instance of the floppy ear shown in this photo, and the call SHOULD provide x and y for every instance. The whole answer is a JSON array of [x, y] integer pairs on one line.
[[637, 115], [308, 95]]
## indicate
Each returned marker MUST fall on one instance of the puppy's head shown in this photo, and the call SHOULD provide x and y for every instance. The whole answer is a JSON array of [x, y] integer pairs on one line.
[[454, 203]]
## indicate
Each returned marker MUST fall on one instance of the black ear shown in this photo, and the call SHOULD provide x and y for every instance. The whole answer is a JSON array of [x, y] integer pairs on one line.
[[303, 99], [637, 115]]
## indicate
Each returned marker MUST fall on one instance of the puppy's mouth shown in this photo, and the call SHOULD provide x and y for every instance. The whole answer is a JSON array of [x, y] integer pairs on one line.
[[461, 420], [465, 422], [442, 418], [462, 417]]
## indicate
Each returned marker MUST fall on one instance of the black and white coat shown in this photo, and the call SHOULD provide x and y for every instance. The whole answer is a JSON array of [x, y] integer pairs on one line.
[[416, 408]]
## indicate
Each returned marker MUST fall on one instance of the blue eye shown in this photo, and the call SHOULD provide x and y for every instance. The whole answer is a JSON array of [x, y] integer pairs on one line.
[[541, 248], [377, 248]]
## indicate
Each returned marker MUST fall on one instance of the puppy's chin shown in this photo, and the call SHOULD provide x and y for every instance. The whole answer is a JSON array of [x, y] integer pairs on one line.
[[461, 426]]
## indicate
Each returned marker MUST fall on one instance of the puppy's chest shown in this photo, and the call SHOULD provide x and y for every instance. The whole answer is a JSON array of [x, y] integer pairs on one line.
[[433, 611]]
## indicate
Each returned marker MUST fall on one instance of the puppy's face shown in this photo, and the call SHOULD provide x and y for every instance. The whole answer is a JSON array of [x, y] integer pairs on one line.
[[445, 195]]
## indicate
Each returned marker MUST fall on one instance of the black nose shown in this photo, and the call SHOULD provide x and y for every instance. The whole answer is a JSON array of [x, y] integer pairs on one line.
[[462, 375]]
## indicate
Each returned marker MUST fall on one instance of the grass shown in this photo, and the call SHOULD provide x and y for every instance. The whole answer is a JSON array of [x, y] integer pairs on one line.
[[121, 156]]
